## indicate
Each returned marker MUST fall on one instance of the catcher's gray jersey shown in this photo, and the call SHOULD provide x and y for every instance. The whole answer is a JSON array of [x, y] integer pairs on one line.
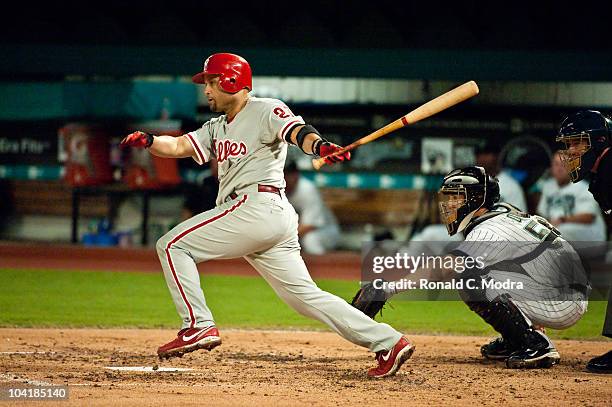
[[250, 149], [527, 249]]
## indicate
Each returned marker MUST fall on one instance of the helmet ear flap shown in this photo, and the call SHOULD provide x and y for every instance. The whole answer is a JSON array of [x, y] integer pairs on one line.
[[229, 84]]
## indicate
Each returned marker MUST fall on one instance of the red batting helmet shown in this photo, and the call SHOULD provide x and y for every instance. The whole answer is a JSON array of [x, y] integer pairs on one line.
[[233, 70]]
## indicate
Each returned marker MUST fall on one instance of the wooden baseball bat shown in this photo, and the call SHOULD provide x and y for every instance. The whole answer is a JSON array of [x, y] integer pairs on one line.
[[442, 102]]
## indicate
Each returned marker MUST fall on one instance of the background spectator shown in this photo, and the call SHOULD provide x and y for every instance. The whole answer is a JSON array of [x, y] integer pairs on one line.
[[510, 190], [570, 207], [318, 228]]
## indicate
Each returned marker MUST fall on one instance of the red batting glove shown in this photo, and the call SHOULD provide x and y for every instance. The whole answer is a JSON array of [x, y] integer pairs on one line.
[[138, 139], [325, 149]]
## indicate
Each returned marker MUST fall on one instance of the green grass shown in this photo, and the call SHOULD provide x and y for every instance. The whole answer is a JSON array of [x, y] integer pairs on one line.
[[108, 299]]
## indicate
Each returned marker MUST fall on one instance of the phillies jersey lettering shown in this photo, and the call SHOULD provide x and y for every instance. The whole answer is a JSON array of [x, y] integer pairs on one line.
[[250, 149], [229, 148]]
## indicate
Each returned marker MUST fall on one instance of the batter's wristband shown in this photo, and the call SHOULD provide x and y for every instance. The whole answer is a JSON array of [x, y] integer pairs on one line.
[[316, 147], [149, 139], [302, 133]]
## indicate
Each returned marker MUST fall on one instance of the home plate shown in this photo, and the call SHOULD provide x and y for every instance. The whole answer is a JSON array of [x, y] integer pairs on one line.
[[150, 369]]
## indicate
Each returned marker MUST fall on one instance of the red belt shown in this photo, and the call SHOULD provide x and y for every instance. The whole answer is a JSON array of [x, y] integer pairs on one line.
[[261, 188]]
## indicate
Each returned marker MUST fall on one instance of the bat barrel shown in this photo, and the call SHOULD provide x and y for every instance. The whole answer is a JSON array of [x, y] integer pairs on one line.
[[434, 106]]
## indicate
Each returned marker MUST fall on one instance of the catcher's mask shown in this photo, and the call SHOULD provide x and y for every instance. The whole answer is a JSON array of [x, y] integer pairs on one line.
[[463, 192], [585, 135]]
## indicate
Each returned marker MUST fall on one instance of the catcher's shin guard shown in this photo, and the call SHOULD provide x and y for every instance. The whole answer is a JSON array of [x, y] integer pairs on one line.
[[505, 317]]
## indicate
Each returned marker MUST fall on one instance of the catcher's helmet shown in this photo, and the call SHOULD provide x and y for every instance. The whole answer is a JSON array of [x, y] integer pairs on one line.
[[586, 135], [233, 70], [463, 192]]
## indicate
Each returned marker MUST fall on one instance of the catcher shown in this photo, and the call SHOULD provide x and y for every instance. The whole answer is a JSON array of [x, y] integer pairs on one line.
[[551, 289]]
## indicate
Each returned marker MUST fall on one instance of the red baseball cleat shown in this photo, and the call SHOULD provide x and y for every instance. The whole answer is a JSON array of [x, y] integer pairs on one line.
[[190, 339], [390, 361]]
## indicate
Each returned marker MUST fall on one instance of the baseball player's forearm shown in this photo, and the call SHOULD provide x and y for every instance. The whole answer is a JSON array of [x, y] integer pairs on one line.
[[171, 147], [161, 146], [308, 141]]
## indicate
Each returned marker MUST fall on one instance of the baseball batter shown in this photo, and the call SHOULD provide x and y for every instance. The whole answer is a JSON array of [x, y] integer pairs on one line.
[[253, 218], [529, 278]]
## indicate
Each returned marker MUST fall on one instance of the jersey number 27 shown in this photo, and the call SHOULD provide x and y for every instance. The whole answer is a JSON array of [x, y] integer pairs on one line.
[[280, 112]]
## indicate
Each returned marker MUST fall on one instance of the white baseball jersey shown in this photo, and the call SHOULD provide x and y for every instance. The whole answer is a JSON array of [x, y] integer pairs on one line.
[[250, 149], [572, 199], [519, 249]]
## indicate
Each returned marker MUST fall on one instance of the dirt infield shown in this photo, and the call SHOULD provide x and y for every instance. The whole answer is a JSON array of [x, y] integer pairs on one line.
[[288, 368]]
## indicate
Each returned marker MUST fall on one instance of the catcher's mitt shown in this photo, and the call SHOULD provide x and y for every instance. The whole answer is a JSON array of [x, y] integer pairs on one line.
[[369, 300]]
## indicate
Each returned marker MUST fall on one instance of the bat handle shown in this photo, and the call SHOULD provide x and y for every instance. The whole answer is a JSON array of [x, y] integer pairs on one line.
[[317, 163]]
